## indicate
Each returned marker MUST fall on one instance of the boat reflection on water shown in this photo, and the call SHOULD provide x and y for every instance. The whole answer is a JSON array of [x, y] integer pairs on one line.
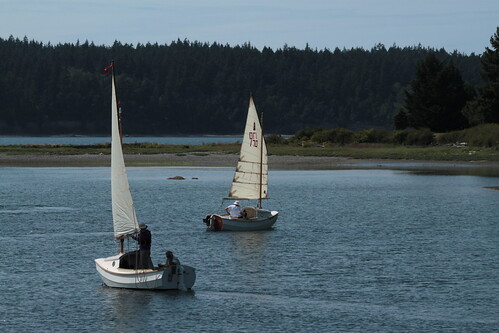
[[127, 308], [249, 249]]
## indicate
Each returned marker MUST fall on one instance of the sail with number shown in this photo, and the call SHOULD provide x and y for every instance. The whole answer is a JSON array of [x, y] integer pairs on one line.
[[124, 218], [250, 179], [250, 183]]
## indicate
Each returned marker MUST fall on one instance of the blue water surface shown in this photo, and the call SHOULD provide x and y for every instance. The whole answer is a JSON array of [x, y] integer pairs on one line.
[[352, 251]]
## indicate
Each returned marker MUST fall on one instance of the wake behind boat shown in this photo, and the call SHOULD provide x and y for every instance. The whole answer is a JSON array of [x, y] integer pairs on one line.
[[127, 270], [250, 183]]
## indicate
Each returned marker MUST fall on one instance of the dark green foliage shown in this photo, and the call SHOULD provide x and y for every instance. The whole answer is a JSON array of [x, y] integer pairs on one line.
[[485, 109], [275, 138], [486, 135], [372, 136], [305, 134], [454, 137], [337, 135], [420, 137], [341, 136], [399, 136], [199, 88], [436, 97], [401, 121], [344, 136], [322, 136], [474, 113]]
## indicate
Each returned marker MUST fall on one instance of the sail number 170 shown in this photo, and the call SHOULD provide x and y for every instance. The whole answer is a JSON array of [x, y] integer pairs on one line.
[[253, 137]]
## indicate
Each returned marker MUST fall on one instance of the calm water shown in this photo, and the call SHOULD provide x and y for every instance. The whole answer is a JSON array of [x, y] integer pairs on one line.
[[87, 140], [352, 251]]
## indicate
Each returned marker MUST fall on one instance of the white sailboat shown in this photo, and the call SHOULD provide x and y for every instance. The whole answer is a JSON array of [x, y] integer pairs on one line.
[[120, 271], [250, 182]]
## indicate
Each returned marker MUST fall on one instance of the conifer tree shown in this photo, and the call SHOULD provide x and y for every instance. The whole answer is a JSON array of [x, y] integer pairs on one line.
[[436, 97], [488, 102]]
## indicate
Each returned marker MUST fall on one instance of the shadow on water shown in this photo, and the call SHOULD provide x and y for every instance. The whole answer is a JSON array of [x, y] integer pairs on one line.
[[435, 169], [145, 294], [248, 248], [127, 309], [480, 172]]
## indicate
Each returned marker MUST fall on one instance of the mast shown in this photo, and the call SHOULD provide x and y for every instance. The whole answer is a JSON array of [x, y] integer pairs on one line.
[[118, 109], [124, 217], [261, 163]]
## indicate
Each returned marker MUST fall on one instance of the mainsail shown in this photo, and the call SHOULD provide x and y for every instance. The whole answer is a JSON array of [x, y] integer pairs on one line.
[[124, 218], [250, 178]]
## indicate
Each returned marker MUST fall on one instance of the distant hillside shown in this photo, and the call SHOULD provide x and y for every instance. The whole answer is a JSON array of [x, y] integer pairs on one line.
[[195, 88]]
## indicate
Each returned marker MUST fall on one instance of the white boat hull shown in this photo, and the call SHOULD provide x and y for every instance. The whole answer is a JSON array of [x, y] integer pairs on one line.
[[264, 220], [158, 278]]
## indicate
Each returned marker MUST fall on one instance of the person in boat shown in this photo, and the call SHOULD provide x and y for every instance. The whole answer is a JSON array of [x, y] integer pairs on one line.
[[171, 260], [234, 210], [144, 240], [173, 263]]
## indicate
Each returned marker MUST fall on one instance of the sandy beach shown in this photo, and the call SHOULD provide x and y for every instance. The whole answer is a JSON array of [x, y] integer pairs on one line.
[[230, 160]]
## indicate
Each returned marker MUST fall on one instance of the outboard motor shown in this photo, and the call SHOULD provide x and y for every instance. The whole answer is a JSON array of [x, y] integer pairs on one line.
[[213, 222], [207, 221]]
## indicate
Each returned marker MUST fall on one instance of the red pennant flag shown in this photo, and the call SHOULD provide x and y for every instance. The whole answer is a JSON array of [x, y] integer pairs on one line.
[[106, 70]]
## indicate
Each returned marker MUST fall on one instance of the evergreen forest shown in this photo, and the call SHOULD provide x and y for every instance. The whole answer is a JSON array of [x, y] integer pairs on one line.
[[190, 88]]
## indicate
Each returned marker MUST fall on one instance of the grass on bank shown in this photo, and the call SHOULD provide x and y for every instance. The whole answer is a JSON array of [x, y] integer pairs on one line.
[[385, 151], [480, 143], [359, 151], [128, 148]]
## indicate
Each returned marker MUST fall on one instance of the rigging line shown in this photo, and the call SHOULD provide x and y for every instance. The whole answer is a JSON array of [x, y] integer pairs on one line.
[[141, 277], [249, 162], [222, 203], [137, 277], [251, 185], [249, 173], [240, 182]]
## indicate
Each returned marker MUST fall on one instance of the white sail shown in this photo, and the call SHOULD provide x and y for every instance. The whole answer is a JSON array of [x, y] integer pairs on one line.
[[124, 218], [250, 178]]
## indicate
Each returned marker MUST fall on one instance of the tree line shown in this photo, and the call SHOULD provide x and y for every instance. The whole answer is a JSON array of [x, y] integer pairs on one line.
[[198, 88], [484, 135], [440, 100]]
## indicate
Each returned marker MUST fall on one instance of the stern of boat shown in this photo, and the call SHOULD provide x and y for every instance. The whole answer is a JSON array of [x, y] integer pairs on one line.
[[181, 278], [213, 222]]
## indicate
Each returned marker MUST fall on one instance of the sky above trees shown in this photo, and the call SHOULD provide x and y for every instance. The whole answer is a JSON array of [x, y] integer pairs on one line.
[[462, 25]]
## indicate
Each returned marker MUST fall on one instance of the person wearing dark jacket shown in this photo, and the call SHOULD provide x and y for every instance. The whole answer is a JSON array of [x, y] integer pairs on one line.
[[144, 241]]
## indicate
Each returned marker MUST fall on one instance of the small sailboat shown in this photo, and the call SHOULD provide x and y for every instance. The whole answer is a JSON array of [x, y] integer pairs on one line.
[[250, 182], [122, 270]]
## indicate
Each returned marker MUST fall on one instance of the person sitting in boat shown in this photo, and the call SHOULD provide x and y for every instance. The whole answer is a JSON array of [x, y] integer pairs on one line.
[[171, 259], [234, 210], [144, 240], [174, 264]]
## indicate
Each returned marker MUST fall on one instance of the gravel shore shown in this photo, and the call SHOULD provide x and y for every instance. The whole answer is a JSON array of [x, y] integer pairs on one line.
[[230, 160], [193, 159]]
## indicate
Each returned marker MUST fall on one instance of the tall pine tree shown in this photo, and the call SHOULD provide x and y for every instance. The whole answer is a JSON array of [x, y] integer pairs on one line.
[[488, 102], [436, 97]]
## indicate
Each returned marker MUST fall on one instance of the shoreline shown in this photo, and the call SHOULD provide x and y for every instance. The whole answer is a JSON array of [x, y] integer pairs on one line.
[[215, 159]]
